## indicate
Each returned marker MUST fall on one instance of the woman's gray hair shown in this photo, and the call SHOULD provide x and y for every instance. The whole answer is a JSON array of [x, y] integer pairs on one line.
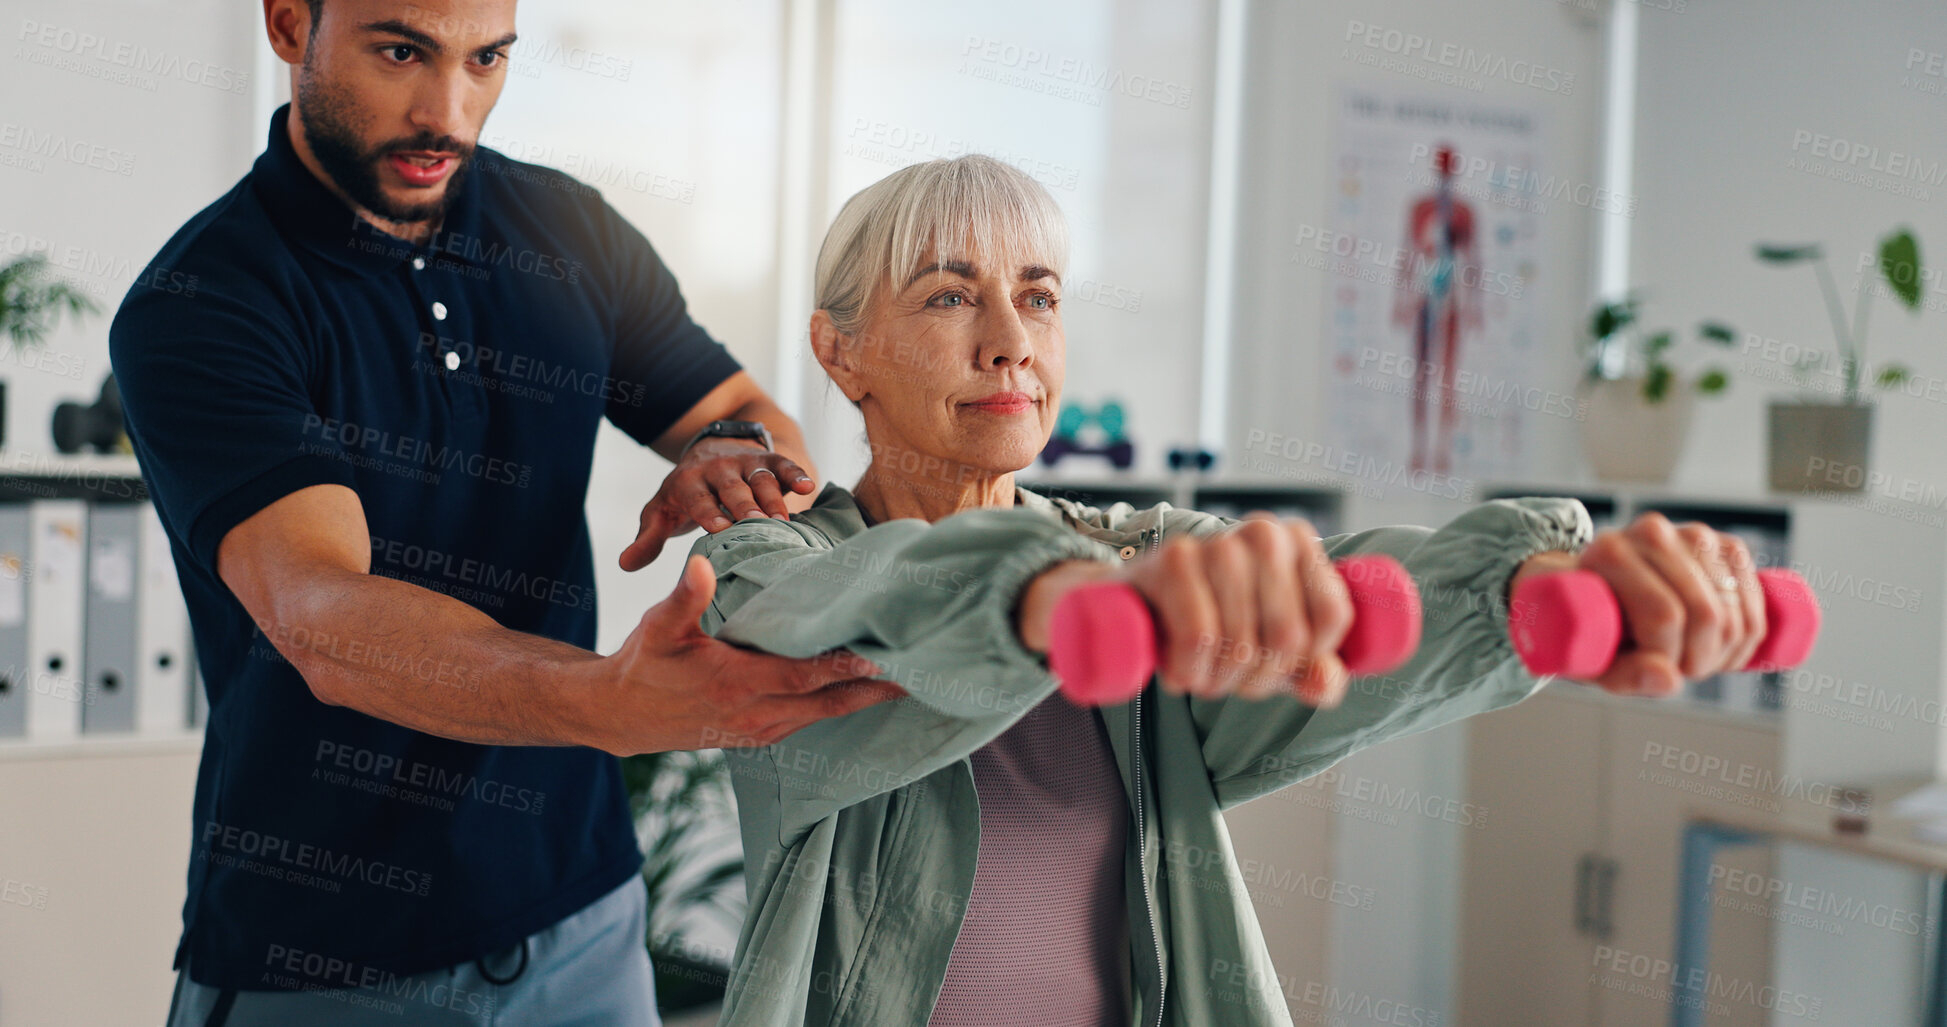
[[882, 234]]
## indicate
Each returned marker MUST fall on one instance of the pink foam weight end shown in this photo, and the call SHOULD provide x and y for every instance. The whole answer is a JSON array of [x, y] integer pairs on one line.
[[1386, 614], [1791, 614], [1102, 644], [1566, 623]]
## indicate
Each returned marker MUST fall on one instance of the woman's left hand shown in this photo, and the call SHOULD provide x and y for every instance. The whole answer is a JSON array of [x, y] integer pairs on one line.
[[715, 475], [1690, 599]]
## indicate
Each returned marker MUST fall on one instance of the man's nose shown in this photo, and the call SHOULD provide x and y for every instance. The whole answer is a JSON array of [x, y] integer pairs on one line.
[[439, 106]]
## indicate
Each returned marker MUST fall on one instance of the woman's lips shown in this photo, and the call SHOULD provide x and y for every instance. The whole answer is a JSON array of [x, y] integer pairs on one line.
[[1003, 403], [420, 174]]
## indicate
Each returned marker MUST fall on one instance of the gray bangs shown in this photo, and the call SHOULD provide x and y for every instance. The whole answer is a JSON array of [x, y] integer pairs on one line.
[[973, 208]]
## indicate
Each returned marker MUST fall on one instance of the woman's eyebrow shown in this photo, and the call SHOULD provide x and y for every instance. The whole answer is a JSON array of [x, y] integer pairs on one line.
[[953, 267], [1035, 272]]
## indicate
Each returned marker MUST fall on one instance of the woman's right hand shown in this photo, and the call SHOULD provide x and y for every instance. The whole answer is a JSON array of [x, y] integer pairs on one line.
[[1253, 612]]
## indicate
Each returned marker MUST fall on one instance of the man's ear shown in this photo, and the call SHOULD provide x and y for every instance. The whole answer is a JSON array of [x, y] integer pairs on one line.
[[288, 24], [835, 354]]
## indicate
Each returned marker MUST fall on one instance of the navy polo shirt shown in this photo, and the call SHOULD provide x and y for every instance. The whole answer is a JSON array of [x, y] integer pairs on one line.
[[456, 387]]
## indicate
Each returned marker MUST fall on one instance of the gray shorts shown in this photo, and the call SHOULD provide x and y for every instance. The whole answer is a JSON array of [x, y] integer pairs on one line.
[[588, 969]]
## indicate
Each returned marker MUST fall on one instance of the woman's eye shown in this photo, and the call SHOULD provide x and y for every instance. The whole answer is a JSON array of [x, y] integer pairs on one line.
[[951, 299], [1041, 301]]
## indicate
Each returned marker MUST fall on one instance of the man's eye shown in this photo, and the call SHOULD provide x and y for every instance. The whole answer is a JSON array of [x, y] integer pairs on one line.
[[491, 58], [400, 52]]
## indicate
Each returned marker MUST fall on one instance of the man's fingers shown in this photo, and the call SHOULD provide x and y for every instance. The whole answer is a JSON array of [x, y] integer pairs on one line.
[[733, 492], [764, 488], [654, 528], [789, 474], [1328, 610], [675, 617], [800, 676]]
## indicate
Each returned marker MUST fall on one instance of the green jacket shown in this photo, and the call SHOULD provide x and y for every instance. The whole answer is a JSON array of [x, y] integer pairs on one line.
[[860, 832]]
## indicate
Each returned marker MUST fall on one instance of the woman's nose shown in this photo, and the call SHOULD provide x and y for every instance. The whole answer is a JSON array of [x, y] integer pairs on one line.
[[1005, 340]]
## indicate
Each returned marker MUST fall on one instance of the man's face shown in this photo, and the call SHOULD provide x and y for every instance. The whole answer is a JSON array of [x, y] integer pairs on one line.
[[391, 97]]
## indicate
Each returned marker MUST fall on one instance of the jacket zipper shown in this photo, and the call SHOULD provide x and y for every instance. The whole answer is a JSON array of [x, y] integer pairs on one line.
[[1142, 835]]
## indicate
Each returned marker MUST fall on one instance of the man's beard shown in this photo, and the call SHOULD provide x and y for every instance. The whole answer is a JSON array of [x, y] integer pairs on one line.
[[340, 152]]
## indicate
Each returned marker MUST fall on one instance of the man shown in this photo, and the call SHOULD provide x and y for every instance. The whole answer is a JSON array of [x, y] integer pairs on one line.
[[368, 431]]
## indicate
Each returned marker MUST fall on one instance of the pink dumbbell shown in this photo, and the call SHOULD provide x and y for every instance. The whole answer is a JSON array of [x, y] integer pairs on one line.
[[1569, 623], [1102, 637]]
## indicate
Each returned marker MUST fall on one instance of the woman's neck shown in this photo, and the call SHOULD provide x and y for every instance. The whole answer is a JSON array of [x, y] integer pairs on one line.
[[884, 493]]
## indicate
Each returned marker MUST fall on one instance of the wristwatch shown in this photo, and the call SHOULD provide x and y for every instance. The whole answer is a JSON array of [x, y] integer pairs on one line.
[[730, 430]]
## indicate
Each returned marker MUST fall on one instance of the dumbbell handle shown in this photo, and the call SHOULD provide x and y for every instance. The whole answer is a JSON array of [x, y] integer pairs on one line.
[[1569, 623], [1102, 637]]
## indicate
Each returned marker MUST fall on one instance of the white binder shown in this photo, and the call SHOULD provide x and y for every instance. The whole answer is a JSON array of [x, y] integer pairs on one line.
[[161, 636], [56, 597]]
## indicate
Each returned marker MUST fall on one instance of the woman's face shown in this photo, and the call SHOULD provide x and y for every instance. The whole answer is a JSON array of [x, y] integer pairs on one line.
[[961, 365]]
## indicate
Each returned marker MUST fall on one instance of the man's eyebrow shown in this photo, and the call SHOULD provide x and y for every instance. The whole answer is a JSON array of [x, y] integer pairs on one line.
[[405, 31], [955, 267]]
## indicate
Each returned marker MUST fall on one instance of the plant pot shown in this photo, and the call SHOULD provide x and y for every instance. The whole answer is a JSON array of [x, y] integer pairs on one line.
[[1819, 447], [1628, 438]]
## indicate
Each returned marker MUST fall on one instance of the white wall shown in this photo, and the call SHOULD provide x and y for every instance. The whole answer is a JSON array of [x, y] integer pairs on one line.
[[1727, 87]]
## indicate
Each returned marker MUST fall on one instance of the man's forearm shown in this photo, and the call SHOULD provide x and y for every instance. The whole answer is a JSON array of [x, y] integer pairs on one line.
[[429, 662]]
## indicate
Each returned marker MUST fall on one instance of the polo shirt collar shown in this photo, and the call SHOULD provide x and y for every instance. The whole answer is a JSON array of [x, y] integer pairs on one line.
[[310, 214]]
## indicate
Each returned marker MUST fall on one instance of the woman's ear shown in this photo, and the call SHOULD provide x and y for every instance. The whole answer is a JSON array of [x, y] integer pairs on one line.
[[836, 354]]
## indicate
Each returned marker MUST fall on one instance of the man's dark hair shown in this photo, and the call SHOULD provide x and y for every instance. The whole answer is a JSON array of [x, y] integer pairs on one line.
[[317, 12]]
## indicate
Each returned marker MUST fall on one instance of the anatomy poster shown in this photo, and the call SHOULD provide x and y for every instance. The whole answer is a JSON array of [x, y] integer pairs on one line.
[[1430, 257]]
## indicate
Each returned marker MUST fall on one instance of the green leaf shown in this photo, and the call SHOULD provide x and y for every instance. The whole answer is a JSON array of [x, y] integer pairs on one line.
[[1657, 343], [1899, 262], [1713, 382], [1717, 332], [1611, 318], [1892, 375], [1789, 254], [1657, 384]]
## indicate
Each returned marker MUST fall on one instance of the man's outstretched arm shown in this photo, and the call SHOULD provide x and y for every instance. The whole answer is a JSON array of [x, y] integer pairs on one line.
[[430, 662]]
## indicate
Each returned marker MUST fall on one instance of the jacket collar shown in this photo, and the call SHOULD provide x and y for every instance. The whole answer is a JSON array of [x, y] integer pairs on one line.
[[836, 511], [307, 212]]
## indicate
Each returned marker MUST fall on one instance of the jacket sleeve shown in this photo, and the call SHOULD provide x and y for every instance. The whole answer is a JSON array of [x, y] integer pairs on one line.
[[930, 604], [1465, 663]]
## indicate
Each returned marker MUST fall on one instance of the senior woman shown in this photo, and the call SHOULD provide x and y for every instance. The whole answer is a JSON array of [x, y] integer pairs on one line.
[[983, 852]]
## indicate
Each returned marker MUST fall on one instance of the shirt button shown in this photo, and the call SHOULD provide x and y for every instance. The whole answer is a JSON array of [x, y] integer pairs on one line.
[[439, 311], [1128, 552], [419, 263], [452, 361]]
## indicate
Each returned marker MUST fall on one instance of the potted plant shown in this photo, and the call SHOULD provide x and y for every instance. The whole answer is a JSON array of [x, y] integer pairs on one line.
[[693, 866], [1822, 446], [30, 304], [1639, 404]]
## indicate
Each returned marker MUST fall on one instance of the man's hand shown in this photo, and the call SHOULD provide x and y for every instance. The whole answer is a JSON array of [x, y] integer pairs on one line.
[[1690, 599], [1256, 611], [673, 687], [715, 475]]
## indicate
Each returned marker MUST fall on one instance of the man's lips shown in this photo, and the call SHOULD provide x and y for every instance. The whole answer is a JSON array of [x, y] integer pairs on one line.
[[1003, 403], [422, 169]]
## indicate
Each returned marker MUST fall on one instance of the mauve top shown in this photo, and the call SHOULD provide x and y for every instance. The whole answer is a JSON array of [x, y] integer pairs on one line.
[[1045, 938]]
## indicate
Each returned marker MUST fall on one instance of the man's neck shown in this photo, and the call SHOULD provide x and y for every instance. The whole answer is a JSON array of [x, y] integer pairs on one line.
[[415, 232]]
